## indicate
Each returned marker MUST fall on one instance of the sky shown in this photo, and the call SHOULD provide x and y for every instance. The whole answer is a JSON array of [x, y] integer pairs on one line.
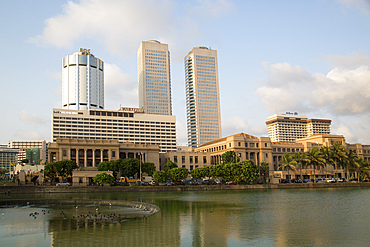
[[310, 57]]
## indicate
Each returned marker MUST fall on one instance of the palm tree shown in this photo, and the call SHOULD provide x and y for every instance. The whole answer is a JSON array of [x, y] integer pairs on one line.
[[300, 158], [362, 168], [338, 154], [288, 163], [327, 156], [314, 158], [352, 162]]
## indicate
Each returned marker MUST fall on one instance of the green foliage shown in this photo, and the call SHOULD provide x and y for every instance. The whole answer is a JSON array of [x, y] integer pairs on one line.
[[229, 157], [160, 176], [169, 165], [129, 167], [104, 178], [178, 173], [3, 171], [200, 172], [148, 168], [62, 168], [264, 171]]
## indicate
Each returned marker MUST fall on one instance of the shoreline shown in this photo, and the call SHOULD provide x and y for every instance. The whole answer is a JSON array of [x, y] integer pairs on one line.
[[31, 189]]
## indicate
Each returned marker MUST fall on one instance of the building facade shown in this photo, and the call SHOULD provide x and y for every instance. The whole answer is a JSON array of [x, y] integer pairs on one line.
[[22, 146], [7, 157], [261, 149], [154, 75], [89, 153], [291, 126], [202, 96], [82, 81], [126, 124]]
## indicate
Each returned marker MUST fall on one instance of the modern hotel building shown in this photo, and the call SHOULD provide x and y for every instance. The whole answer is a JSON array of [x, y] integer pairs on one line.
[[291, 126], [82, 81], [154, 75], [125, 125], [202, 96]]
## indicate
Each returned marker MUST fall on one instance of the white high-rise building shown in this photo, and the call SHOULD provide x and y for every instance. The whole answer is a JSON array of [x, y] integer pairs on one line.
[[154, 75], [202, 96], [290, 126], [83, 81]]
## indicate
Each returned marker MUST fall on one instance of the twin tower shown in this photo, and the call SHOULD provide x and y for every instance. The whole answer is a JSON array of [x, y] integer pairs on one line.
[[83, 86]]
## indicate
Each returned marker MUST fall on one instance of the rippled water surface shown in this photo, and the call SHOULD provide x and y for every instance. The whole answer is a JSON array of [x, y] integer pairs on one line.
[[288, 217]]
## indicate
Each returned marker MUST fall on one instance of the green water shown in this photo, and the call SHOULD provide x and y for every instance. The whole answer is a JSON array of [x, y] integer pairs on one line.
[[289, 217]]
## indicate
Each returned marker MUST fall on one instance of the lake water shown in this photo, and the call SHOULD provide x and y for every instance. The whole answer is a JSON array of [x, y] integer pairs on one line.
[[280, 217]]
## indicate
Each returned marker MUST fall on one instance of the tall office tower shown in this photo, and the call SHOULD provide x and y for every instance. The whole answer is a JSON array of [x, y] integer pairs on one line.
[[202, 96], [153, 63], [83, 81], [290, 126]]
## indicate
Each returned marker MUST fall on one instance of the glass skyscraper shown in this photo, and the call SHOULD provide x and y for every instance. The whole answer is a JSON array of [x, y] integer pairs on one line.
[[153, 62], [82, 81], [202, 96]]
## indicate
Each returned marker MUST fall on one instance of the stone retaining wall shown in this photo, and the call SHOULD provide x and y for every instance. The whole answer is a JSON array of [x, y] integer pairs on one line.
[[92, 189]]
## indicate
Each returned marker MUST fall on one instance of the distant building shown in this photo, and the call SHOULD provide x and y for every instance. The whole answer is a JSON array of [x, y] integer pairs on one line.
[[24, 145], [124, 125], [202, 96], [82, 81], [291, 126], [154, 74], [7, 157]]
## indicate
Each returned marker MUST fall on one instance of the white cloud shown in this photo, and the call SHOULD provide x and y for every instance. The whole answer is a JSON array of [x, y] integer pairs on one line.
[[341, 91], [237, 125], [351, 61], [32, 118], [121, 88]]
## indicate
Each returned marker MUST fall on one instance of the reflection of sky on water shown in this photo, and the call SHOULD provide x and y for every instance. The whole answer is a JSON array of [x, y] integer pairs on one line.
[[305, 217]]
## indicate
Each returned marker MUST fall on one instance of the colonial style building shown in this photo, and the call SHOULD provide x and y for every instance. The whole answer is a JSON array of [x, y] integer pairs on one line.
[[89, 153]]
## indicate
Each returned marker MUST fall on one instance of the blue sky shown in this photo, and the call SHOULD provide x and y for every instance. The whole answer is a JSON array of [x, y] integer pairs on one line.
[[310, 57]]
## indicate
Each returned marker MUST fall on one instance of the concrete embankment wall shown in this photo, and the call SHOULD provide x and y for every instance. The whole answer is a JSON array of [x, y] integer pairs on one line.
[[96, 189]]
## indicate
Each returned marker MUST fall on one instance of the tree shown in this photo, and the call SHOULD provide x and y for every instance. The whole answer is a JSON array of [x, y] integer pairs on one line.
[[169, 165], [300, 158], [160, 176], [199, 172], [314, 158], [288, 163], [229, 157], [338, 154], [109, 166], [104, 178], [62, 168], [264, 171], [148, 168], [351, 162], [129, 167], [327, 156], [178, 173], [248, 171]]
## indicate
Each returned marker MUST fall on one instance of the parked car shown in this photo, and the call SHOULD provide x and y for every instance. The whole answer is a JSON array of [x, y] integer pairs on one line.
[[306, 180], [284, 181], [62, 184], [331, 180], [152, 183], [365, 180], [230, 183], [145, 183], [353, 180], [188, 181], [169, 183], [295, 180], [320, 180]]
